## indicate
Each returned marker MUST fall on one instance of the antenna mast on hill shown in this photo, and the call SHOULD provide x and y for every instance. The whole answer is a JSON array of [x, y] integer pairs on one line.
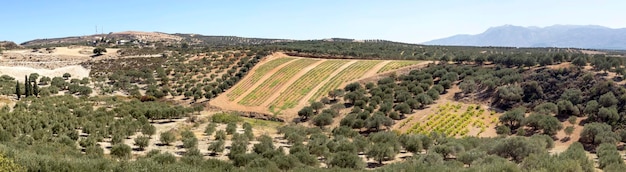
[[96, 29]]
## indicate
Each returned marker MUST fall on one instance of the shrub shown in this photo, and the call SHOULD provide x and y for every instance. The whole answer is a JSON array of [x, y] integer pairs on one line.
[[225, 118], [121, 150], [167, 138]]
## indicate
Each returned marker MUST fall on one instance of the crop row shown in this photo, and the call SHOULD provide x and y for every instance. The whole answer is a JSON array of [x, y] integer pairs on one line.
[[274, 82], [352, 72], [255, 77], [396, 65], [451, 123], [296, 91]]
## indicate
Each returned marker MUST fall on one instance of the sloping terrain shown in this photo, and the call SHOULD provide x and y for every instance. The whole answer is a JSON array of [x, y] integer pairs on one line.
[[282, 83]]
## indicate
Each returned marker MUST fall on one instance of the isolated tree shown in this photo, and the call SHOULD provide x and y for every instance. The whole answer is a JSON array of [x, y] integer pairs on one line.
[[17, 90], [377, 120], [323, 120], [547, 108], [148, 130], [220, 135], [190, 142], [27, 86], [352, 87], [265, 144], [335, 93], [403, 108], [384, 145], [513, 118], [380, 151], [515, 147], [580, 62], [592, 130], [569, 130], [509, 95], [591, 109], [346, 160], [35, 89], [33, 77], [99, 50], [216, 147], [121, 150], [411, 143], [608, 99], [142, 142], [550, 125], [468, 157], [209, 129], [317, 106], [66, 76], [468, 86], [167, 137], [45, 80], [607, 155], [231, 128], [305, 113], [572, 120]]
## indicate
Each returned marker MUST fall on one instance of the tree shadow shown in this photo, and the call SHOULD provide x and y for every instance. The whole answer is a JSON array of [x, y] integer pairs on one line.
[[161, 144], [374, 165]]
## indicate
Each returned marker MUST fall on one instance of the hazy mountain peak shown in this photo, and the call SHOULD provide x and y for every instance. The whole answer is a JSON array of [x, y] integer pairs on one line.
[[578, 36]]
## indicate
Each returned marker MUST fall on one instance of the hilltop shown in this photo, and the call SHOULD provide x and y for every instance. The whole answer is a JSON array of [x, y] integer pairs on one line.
[[578, 36]]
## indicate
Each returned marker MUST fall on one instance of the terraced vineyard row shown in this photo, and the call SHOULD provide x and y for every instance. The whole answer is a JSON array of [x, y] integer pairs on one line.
[[352, 72], [447, 120], [397, 65], [274, 82], [296, 91], [255, 77]]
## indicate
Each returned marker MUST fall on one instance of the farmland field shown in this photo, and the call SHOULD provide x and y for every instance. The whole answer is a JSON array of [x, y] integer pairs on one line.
[[455, 120], [272, 84], [306, 83], [397, 65], [256, 76], [353, 72]]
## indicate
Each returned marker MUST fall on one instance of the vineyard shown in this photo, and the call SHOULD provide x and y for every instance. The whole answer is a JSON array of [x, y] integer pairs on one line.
[[275, 82], [256, 76], [281, 84], [290, 97], [450, 120], [354, 71], [397, 65]]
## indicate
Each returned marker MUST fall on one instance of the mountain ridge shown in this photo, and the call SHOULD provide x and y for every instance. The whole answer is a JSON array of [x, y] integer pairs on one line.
[[564, 36]]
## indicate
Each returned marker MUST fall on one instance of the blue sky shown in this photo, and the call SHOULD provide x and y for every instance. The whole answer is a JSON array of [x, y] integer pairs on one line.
[[404, 21]]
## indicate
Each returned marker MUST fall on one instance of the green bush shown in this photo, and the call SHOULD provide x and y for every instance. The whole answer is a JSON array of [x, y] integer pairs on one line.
[[225, 118]]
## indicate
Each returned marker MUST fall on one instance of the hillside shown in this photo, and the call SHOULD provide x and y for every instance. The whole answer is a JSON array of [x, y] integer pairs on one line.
[[578, 36], [282, 84], [148, 38], [8, 45]]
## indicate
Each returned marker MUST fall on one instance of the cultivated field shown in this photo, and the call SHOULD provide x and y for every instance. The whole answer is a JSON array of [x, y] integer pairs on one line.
[[281, 84]]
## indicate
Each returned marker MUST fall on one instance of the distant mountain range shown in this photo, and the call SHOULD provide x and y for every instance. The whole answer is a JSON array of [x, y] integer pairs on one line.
[[575, 36]]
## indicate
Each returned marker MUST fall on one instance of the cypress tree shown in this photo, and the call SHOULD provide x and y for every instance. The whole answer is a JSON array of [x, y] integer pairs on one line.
[[26, 86], [17, 90], [35, 89]]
